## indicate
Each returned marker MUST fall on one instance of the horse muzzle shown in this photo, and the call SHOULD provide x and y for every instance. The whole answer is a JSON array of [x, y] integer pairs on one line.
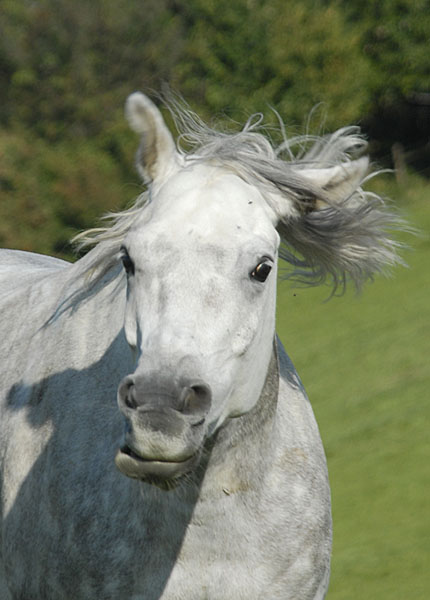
[[165, 428]]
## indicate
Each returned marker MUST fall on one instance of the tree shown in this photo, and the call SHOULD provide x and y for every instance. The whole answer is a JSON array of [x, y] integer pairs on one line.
[[240, 57], [395, 37]]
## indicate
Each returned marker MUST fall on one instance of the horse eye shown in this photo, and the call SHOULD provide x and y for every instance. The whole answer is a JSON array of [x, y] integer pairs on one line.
[[127, 262], [261, 271]]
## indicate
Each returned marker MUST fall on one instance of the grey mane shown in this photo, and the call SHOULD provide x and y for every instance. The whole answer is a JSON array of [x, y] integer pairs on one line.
[[327, 241]]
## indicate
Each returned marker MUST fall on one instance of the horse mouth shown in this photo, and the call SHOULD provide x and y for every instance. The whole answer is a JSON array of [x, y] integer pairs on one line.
[[162, 473]]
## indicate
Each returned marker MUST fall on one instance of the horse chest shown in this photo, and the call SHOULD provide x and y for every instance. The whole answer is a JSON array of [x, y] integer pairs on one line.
[[220, 556], [212, 552]]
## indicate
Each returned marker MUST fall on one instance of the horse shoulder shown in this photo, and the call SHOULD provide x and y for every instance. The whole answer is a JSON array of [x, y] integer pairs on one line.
[[299, 449], [297, 494]]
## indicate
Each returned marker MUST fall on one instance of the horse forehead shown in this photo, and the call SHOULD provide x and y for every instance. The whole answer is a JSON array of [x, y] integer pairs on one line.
[[210, 194]]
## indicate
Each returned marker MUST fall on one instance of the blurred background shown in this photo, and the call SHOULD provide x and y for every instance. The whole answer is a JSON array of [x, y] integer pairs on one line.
[[66, 157]]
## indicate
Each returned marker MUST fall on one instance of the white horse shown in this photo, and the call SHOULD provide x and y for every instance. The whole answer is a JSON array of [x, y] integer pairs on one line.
[[156, 352]]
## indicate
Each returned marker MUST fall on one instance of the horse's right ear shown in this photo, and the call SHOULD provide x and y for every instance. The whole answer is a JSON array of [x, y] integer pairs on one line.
[[157, 151]]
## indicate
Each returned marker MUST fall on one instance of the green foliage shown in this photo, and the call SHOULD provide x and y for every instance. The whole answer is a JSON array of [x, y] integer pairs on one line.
[[49, 193], [242, 56], [68, 66], [394, 36]]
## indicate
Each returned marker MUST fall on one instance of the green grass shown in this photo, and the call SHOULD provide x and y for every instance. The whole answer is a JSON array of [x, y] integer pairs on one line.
[[365, 364]]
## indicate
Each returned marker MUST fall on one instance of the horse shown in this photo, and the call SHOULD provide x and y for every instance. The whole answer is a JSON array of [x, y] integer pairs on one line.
[[156, 441]]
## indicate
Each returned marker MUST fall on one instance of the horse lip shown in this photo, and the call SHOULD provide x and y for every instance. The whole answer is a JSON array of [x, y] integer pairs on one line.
[[125, 449], [160, 472]]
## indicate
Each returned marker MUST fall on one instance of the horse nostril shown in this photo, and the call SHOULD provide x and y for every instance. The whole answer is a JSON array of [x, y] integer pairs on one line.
[[195, 399], [127, 393], [137, 394], [129, 401], [202, 391]]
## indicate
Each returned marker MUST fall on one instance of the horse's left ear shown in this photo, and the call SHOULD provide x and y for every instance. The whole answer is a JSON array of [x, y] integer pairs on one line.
[[339, 182], [157, 151], [316, 188], [336, 229]]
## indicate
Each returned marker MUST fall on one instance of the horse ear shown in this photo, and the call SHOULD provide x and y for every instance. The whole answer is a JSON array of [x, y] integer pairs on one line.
[[336, 230], [339, 182], [317, 188], [157, 151]]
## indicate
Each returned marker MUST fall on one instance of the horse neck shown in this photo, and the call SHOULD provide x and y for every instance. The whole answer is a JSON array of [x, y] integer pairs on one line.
[[240, 451]]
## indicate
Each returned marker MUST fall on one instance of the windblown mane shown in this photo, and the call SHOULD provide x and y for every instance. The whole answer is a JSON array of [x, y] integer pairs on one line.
[[339, 241]]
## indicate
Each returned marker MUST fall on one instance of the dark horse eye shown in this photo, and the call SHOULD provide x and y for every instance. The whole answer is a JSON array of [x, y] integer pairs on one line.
[[261, 271], [127, 262]]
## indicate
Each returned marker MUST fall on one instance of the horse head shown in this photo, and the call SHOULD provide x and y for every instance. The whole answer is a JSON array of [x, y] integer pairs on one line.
[[201, 264]]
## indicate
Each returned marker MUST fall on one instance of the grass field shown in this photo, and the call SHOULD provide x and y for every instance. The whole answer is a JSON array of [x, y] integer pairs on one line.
[[365, 364]]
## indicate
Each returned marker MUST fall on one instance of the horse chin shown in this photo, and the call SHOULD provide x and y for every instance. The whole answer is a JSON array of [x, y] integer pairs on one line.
[[163, 474]]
